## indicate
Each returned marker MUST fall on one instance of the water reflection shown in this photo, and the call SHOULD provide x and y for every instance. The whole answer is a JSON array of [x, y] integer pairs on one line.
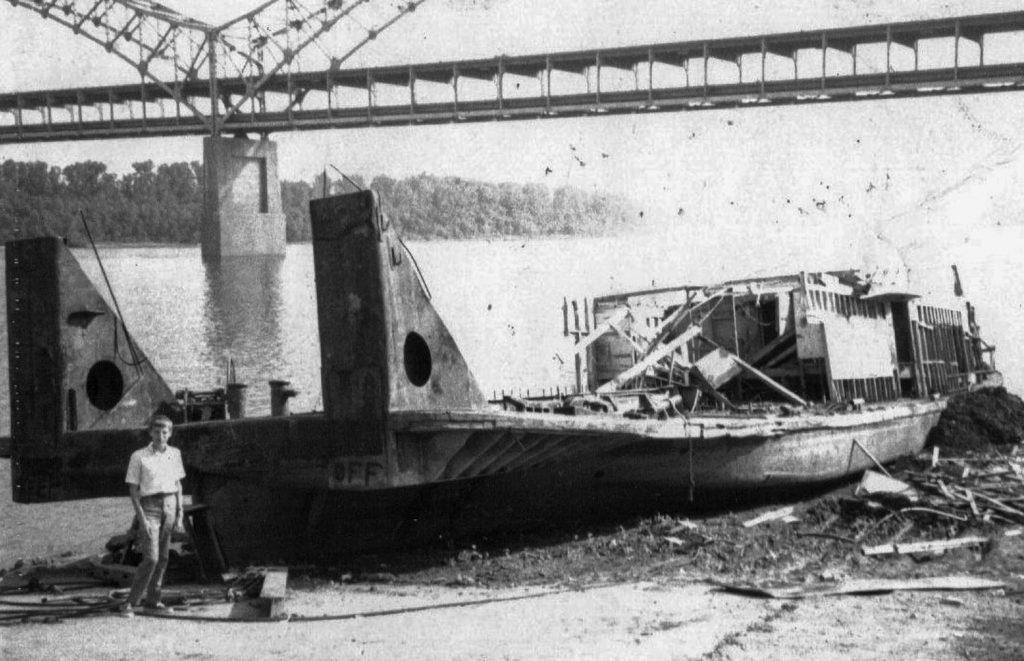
[[243, 314]]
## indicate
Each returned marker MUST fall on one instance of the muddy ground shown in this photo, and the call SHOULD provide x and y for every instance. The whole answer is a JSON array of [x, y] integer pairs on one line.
[[647, 587]]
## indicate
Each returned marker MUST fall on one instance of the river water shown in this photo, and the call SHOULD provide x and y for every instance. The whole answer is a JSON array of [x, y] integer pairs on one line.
[[501, 300]]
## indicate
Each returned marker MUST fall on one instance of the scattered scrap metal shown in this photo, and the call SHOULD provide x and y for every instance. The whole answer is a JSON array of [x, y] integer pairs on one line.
[[81, 587]]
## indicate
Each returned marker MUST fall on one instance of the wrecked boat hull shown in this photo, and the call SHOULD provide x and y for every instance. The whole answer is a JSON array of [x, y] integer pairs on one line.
[[537, 471], [802, 458], [407, 450], [720, 452]]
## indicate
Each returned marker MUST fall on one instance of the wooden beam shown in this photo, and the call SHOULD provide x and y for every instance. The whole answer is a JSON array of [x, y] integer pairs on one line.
[[936, 546], [624, 335], [607, 326], [771, 346], [772, 383], [705, 386], [669, 324], [786, 354], [273, 592], [652, 358]]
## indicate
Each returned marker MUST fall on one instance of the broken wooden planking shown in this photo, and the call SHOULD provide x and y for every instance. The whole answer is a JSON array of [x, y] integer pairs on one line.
[[668, 325], [607, 326], [655, 356], [767, 380], [933, 546], [866, 586], [782, 513], [705, 386], [273, 591]]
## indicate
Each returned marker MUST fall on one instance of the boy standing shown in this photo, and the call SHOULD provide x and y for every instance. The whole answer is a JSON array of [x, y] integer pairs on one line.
[[154, 484]]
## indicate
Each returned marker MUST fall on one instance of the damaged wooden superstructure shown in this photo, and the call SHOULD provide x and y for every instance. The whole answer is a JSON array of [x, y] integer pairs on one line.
[[407, 448], [801, 338]]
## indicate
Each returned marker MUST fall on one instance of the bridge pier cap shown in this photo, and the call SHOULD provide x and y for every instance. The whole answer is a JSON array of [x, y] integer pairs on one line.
[[242, 213]]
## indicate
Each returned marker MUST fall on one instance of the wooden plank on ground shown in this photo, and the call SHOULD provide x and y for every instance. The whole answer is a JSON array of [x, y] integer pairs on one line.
[[275, 583], [774, 515], [934, 546], [865, 586], [274, 590]]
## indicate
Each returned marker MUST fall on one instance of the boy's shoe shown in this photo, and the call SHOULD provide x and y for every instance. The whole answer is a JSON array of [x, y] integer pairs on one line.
[[158, 606], [126, 610]]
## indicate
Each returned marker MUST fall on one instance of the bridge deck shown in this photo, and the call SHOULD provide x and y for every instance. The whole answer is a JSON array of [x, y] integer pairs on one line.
[[658, 77]]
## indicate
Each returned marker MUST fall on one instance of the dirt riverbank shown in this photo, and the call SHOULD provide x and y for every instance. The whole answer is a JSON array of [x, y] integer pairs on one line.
[[646, 587]]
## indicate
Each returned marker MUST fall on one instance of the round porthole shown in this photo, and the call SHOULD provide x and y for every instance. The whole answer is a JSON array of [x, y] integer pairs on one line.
[[104, 385], [418, 363]]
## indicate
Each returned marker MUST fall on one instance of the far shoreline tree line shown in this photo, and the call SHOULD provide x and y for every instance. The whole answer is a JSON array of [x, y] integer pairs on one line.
[[163, 204]]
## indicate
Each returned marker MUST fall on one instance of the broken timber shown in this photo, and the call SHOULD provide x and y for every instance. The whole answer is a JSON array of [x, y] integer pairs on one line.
[[935, 546], [774, 515], [652, 358], [770, 382], [865, 586], [273, 592], [607, 326]]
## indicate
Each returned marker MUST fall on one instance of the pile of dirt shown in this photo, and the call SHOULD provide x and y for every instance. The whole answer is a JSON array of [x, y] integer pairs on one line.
[[980, 421], [822, 541], [817, 538]]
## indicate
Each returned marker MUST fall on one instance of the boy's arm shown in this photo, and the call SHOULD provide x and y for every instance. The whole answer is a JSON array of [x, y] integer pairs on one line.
[[180, 512], [132, 478], [133, 491], [180, 495]]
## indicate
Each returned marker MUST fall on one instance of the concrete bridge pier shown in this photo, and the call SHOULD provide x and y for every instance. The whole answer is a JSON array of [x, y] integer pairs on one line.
[[242, 212]]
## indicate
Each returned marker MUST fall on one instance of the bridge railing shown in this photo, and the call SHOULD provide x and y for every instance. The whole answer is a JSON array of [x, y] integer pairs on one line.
[[970, 54]]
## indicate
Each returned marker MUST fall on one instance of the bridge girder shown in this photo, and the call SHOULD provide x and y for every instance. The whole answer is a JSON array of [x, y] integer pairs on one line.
[[874, 61], [174, 51]]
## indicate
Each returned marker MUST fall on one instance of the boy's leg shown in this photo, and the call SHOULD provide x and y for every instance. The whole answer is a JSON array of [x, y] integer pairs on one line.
[[148, 540], [155, 584]]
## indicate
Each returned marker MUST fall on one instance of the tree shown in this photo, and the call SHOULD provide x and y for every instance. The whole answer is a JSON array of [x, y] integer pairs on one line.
[[165, 203]]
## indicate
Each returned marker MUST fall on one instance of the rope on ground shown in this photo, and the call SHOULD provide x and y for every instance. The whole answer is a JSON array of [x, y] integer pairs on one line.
[[361, 614]]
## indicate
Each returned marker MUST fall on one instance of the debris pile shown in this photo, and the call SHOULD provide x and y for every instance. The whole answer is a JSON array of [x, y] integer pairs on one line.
[[981, 487], [948, 509], [980, 421]]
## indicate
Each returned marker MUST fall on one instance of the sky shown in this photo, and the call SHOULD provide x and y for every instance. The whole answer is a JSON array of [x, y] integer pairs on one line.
[[673, 161], [927, 181]]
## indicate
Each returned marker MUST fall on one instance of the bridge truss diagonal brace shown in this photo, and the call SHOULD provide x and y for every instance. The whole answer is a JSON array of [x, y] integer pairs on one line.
[[281, 45], [171, 50]]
